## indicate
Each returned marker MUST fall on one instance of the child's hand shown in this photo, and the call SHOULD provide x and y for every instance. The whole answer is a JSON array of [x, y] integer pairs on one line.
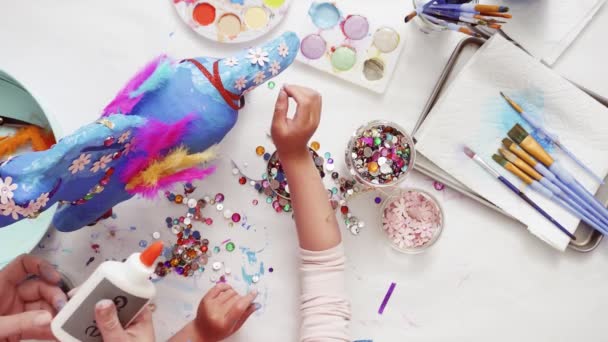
[[291, 135], [222, 312]]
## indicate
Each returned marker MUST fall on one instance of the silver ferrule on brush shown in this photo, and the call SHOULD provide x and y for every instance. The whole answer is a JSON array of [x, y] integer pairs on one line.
[[486, 166]]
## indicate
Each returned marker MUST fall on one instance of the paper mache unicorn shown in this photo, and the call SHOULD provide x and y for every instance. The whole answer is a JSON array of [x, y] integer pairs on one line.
[[160, 129]]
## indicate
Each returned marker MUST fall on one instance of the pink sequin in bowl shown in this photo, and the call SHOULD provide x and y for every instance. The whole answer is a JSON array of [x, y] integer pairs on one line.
[[380, 154], [411, 220]]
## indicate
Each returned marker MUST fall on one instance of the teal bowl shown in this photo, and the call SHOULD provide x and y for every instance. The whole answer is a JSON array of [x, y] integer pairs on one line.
[[18, 103]]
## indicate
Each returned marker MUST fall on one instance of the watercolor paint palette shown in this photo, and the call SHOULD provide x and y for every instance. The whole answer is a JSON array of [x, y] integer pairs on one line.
[[232, 21], [349, 44]]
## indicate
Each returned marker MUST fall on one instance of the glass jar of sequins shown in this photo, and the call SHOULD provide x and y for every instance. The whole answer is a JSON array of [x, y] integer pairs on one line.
[[380, 154], [412, 220]]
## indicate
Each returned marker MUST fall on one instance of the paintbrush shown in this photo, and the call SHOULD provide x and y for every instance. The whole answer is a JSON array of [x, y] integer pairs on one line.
[[410, 16], [548, 189], [451, 26], [552, 183], [455, 16], [519, 135], [513, 188], [472, 8], [554, 139]]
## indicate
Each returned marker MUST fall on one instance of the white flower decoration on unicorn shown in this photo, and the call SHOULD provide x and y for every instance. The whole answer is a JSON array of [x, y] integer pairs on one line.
[[240, 84], [259, 77], [258, 56], [79, 164], [11, 209], [102, 163], [124, 137], [275, 67], [283, 50], [231, 62], [42, 200], [6, 189]]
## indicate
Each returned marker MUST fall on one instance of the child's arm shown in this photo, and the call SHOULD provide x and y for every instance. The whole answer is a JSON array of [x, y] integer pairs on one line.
[[325, 309], [315, 220]]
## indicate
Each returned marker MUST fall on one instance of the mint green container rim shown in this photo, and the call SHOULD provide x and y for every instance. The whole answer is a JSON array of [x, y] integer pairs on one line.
[[23, 236]]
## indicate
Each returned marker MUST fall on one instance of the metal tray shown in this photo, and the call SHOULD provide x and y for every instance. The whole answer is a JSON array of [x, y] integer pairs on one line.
[[587, 239]]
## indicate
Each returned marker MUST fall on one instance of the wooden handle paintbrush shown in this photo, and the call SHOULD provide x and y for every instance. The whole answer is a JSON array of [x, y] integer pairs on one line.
[[553, 193], [513, 188], [472, 8], [552, 182], [553, 138], [530, 145]]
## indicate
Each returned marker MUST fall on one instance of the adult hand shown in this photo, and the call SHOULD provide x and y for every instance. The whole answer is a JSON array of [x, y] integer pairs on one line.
[[291, 136], [106, 316], [221, 313], [30, 298]]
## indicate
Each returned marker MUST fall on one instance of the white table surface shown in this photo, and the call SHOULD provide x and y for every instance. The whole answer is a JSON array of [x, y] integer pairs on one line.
[[485, 279]]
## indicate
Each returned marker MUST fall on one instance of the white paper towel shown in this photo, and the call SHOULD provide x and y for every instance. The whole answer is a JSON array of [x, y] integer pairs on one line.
[[472, 113], [547, 27]]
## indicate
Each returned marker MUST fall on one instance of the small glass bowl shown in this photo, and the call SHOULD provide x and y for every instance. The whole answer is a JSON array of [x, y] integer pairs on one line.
[[419, 249], [350, 163], [426, 25]]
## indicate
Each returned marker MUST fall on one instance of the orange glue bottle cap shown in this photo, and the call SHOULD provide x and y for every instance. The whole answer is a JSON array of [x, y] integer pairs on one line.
[[150, 254]]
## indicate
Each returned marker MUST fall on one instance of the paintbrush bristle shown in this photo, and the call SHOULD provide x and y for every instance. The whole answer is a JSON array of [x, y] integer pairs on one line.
[[500, 160], [518, 134], [507, 143], [468, 152], [508, 155]]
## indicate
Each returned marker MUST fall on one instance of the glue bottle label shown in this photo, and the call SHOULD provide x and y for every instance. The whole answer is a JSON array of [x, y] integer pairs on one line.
[[81, 324]]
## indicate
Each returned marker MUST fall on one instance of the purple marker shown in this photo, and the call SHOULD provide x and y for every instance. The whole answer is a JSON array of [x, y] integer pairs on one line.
[[388, 295]]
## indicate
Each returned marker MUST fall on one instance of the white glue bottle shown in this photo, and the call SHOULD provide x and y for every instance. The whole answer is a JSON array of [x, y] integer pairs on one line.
[[127, 284]]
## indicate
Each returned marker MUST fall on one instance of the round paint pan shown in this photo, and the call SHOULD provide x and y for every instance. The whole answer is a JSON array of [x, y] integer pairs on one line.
[[355, 27], [231, 21], [386, 39], [313, 46], [373, 69], [344, 58], [17, 102]]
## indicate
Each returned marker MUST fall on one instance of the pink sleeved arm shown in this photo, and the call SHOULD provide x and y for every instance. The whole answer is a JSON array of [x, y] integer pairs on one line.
[[325, 309]]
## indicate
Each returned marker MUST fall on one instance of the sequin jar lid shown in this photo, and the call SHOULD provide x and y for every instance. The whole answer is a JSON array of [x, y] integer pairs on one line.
[[380, 154], [411, 220]]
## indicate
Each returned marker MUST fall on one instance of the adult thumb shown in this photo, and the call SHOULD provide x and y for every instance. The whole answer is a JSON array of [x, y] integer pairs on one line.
[[26, 325], [108, 324]]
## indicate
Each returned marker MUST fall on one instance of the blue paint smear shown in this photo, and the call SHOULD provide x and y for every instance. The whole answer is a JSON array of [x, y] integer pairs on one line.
[[533, 102], [240, 2], [324, 15], [252, 257]]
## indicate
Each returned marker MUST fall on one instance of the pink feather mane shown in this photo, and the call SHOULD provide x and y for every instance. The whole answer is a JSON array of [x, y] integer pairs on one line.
[[123, 103]]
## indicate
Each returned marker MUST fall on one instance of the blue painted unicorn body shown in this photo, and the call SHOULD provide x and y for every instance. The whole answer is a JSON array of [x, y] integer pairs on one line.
[[192, 103]]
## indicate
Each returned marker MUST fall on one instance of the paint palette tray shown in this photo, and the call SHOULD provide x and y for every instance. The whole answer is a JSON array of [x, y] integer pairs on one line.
[[232, 21], [350, 45]]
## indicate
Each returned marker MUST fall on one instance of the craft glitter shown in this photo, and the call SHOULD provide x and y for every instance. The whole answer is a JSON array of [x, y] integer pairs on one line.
[[315, 145], [230, 246], [379, 154], [271, 85], [412, 220]]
